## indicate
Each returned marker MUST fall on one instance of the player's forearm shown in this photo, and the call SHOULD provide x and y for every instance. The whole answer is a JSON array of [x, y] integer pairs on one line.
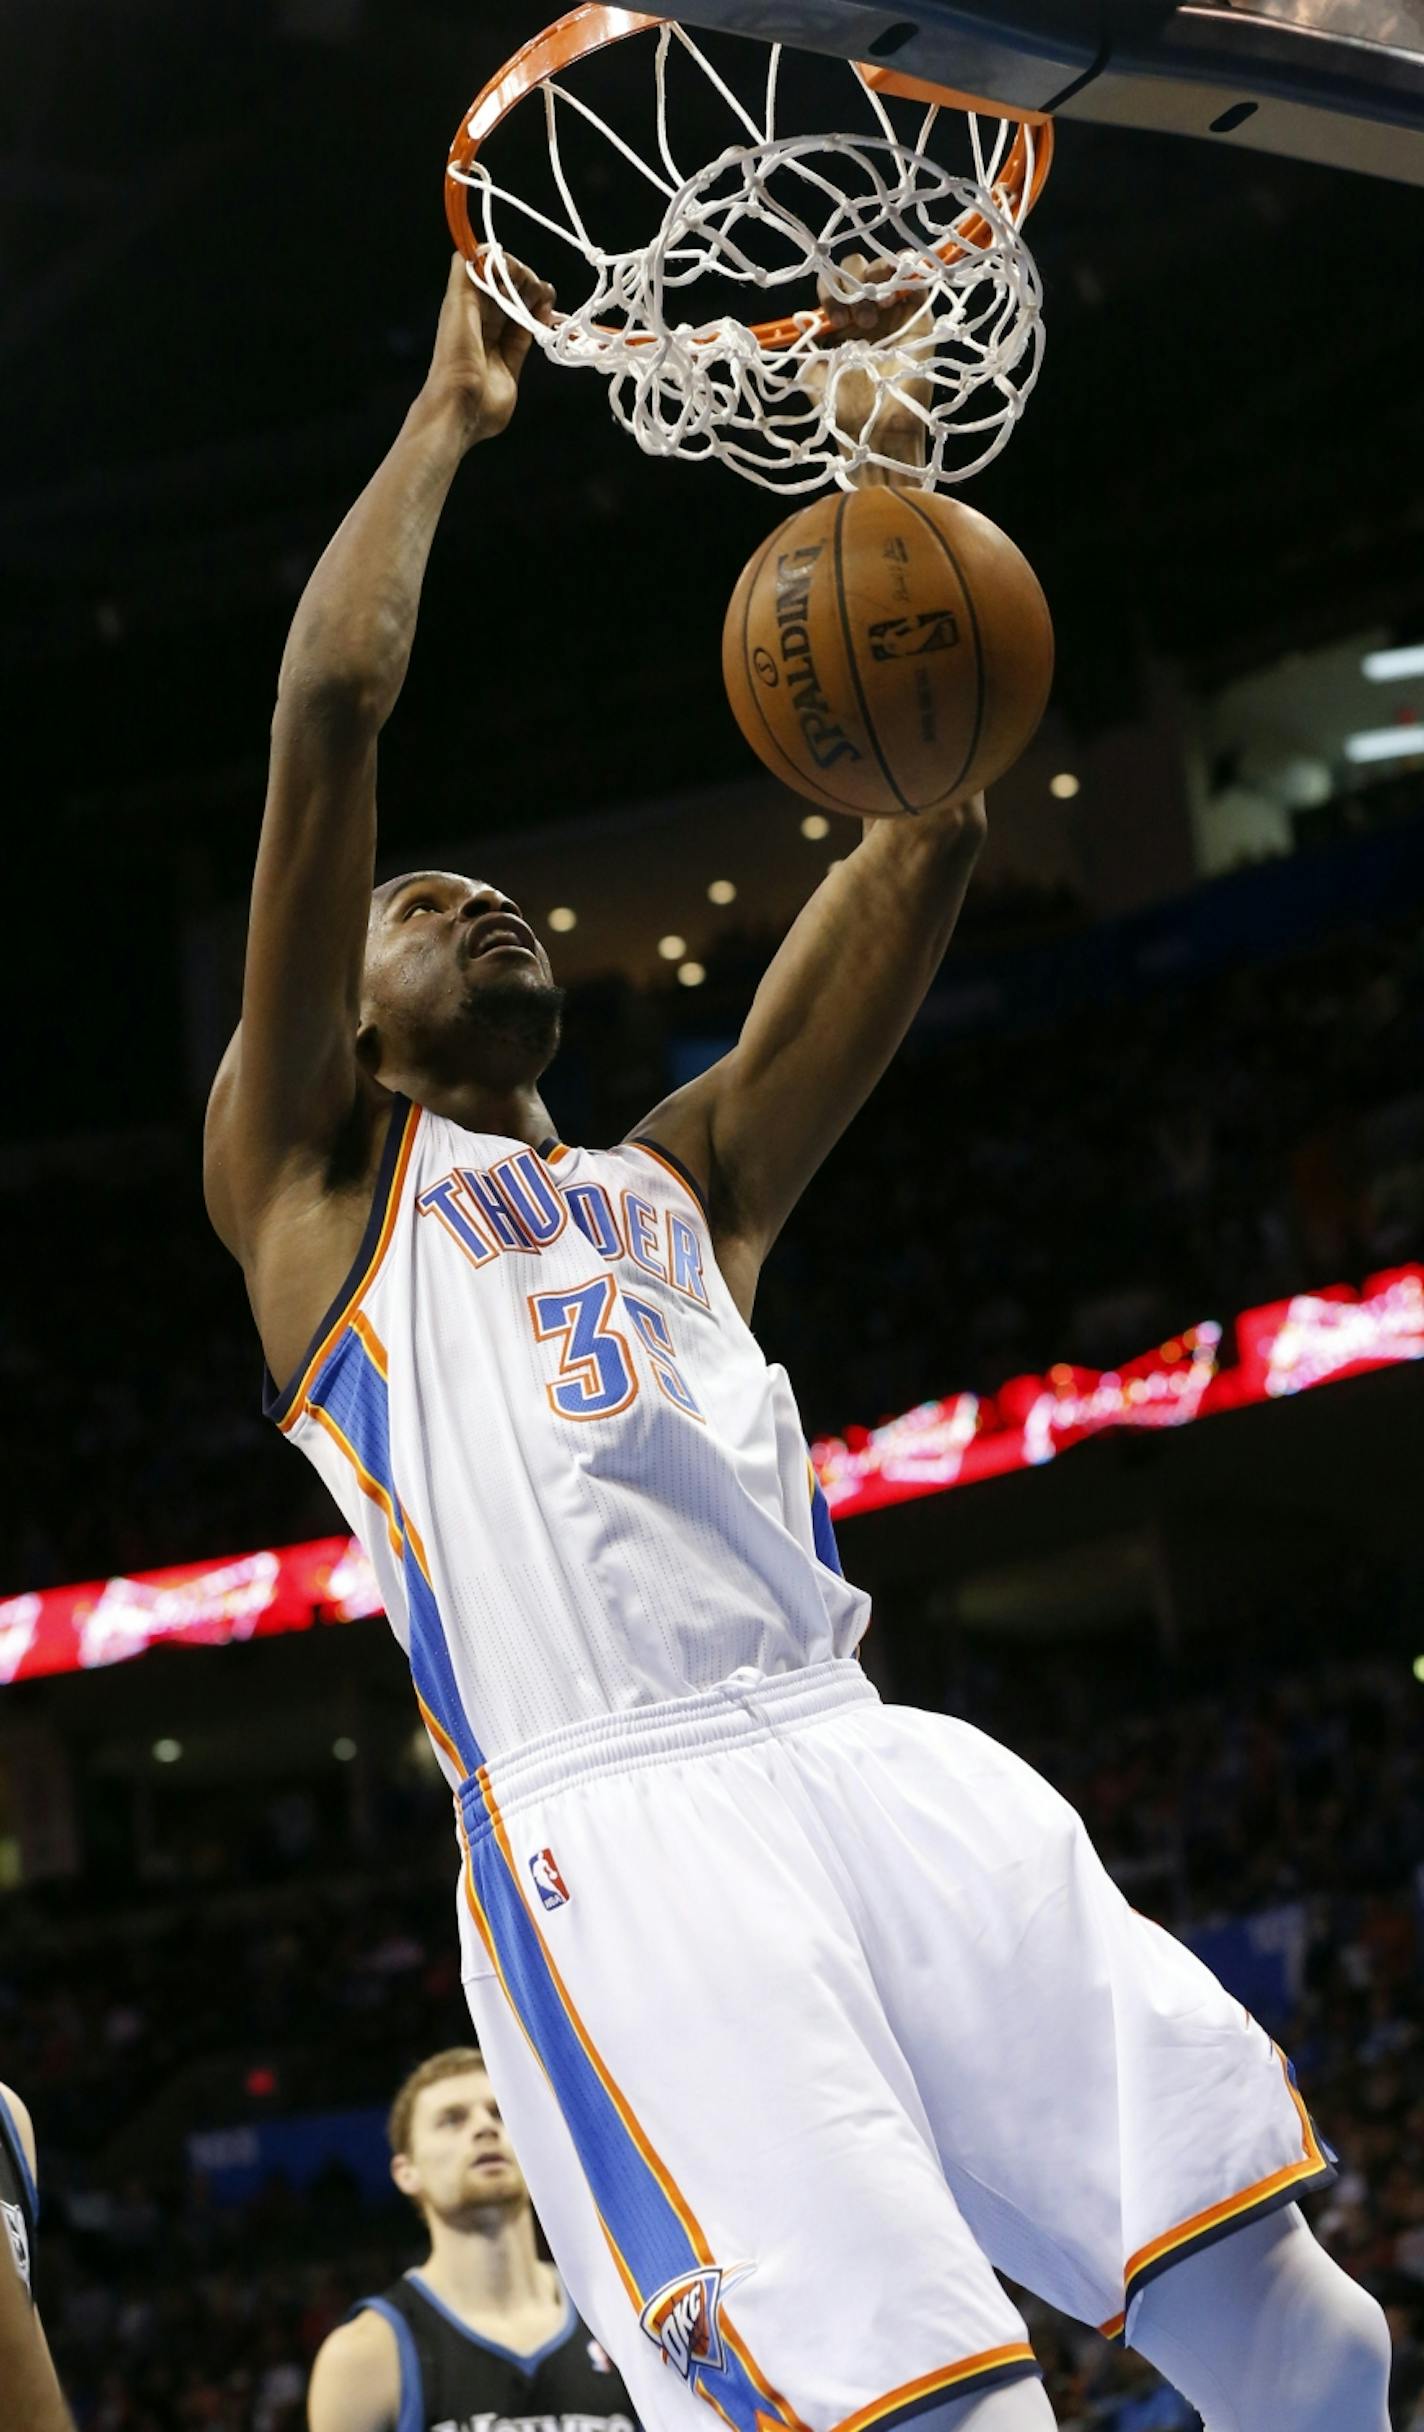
[[351, 637]]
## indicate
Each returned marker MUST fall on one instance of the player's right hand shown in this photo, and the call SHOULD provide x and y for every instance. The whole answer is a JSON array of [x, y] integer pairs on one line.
[[480, 349]]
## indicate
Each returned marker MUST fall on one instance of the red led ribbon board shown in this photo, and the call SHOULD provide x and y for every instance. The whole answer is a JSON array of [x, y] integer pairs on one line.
[[1288, 1347]]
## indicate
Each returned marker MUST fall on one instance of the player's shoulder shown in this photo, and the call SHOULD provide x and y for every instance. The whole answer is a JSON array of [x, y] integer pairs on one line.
[[24, 2126], [366, 2334], [355, 2382]]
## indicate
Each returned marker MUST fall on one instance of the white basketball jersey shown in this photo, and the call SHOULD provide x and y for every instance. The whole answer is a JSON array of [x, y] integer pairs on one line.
[[581, 1486]]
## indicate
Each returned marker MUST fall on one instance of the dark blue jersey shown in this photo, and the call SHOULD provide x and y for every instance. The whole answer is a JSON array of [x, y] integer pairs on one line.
[[453, 2380]]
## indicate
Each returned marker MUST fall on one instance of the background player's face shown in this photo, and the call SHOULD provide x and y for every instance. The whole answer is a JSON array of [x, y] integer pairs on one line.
[[458, 2158], [453, 970]]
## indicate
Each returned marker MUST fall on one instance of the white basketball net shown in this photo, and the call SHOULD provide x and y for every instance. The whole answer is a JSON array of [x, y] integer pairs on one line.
[[780, 214]]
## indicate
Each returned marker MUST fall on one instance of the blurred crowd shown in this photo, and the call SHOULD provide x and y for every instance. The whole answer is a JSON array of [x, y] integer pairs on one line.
[[1202, 1149], [1292, 1785]]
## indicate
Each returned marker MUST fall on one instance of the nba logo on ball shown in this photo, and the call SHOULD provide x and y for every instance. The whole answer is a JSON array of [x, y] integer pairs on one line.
[[548, 1881]]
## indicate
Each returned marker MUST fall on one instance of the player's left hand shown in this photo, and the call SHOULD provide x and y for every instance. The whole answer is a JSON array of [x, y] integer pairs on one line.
[[480, 349]]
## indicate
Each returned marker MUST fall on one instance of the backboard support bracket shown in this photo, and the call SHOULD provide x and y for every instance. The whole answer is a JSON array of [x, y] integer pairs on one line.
[[1283, 79]]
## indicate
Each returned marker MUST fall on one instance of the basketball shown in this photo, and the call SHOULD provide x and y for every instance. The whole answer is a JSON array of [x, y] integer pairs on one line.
[[887, 651]]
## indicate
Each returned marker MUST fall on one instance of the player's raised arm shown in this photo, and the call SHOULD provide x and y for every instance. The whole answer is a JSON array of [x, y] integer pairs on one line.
[[845, 985], [290, 1086]]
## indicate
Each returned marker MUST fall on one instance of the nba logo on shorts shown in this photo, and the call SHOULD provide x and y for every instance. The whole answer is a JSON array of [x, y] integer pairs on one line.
[[548, 1882]]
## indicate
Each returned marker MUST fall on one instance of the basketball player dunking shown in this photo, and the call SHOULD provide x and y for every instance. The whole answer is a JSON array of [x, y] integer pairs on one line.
[[483, 2332], [805, 2012]]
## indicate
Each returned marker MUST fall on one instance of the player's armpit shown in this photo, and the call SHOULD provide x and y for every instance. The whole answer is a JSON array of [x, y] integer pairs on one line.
[[355, 2383], [837, 1001]]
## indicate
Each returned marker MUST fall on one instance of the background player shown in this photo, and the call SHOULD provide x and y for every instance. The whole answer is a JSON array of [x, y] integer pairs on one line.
[[29, 2393], [483, 2328], [902, 2026]]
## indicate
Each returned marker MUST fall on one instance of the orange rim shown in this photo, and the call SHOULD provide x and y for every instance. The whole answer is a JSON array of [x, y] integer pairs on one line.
[[592, 27]]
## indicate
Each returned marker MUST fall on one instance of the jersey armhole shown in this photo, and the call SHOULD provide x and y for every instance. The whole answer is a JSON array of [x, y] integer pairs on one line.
[[411, 2417], [679, 1172]]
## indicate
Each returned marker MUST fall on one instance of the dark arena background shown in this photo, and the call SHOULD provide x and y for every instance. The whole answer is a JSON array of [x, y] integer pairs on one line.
[[1106, 1318]]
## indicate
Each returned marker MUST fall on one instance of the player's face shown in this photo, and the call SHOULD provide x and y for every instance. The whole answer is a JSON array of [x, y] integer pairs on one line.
[[452, 958], [459, 2154]]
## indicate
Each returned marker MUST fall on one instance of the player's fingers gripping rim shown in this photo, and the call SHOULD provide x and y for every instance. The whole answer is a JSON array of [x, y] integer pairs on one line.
[[512, 336]]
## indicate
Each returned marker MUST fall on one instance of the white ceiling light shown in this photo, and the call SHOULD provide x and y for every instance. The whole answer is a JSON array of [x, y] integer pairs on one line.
[[814, 826], [167, 1752], [563, 917], [1064, 786], [1385, 743], [672, 949], [722, 891], [691, 975], [1387, 666]]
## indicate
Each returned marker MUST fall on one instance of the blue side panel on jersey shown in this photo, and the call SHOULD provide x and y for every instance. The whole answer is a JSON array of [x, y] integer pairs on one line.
[[822, 1533], [430, 1664], [630, 2199], [412, 2381], [351, 1388]]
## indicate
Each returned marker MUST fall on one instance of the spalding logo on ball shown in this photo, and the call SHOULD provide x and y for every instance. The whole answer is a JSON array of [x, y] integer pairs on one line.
[[887, 652]]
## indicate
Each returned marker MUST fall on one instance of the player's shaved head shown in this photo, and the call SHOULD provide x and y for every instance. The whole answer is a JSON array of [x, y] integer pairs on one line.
[[457, 989], [384, 895]]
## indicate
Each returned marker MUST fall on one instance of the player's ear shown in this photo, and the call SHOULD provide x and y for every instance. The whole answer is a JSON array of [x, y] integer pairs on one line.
[[405, 2174], [368, 1046]]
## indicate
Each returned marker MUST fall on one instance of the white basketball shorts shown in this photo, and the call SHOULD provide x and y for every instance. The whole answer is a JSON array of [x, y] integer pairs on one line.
[[807, 2014]]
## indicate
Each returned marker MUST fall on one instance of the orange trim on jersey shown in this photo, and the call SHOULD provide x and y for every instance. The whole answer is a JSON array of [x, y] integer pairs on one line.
[[669, 1168], [1260, 2192], [368, 1485], [371, 1342], [441, 1737], [416, 1547], [367, 1277], [1113, 2329], [989, 2360], [691, 2226]]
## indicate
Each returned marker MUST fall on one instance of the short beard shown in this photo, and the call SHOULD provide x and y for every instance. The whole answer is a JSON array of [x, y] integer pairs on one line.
[[512, 1016]]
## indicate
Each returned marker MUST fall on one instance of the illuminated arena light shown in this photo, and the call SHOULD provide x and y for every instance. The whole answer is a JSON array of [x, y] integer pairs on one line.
[[1287, 1347]]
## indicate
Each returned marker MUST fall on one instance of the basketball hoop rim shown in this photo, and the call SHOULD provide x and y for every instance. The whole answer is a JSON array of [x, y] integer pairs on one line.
[[592, 27]]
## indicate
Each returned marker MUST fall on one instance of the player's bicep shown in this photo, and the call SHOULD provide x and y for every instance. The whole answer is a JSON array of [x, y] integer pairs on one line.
[[311, 901], [833, 1008], [290, 1082], [355, 2383]]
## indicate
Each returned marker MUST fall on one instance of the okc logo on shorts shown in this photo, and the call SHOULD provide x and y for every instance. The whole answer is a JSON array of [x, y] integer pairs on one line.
[[681, 2319], [548, 1882]]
